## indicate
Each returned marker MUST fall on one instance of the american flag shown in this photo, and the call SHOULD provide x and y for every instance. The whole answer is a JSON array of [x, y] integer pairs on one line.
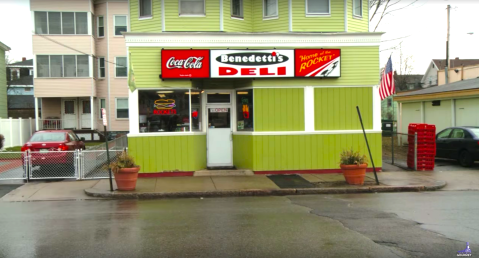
[[387, 81]]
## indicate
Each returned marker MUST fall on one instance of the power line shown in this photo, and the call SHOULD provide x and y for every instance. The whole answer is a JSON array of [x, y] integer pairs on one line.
[[74, 49]]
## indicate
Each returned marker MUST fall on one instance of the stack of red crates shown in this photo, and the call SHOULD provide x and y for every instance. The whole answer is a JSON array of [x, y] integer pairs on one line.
[[426, 146]]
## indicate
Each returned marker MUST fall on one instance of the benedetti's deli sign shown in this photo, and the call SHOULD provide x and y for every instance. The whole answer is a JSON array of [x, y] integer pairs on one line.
[[186, 64]]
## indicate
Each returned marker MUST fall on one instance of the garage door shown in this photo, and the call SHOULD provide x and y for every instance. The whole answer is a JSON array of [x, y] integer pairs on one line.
[[467, 112], [439, 115], [411, 113]]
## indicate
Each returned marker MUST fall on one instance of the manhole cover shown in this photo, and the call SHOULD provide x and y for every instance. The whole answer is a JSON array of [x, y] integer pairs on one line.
[[290, 181]]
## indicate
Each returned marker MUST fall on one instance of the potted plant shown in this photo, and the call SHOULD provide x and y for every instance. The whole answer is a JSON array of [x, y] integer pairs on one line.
[[126, 172], [353, 165]]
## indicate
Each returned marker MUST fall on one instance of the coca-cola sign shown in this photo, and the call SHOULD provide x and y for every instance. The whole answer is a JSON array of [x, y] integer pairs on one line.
[[185, 64]]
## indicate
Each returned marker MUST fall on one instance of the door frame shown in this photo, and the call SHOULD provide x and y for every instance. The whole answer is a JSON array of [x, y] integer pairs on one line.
[[232, 108], [80, 113], [75, 106]]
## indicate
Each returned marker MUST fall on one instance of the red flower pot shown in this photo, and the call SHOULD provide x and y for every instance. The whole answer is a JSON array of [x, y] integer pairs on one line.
[[126, 178], [354, 174]]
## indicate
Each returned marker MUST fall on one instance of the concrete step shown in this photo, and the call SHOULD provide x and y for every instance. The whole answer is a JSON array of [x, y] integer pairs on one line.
[[231, 172]]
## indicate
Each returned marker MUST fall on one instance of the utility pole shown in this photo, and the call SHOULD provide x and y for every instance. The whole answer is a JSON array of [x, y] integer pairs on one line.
[[447, 44]]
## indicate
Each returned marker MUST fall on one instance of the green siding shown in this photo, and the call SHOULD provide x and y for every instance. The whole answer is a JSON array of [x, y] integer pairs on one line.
[[147, 25], [358, 24], [359, 66], [168, 153], [3, 86], [146, 62], [331, 23], [281, 24], [335, 108], [243, 151], [173, 22], [278, 109], [238, 25], [305, 152]]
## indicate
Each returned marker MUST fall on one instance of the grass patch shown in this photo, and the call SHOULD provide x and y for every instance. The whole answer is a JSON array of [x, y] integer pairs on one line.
[[14, 148]]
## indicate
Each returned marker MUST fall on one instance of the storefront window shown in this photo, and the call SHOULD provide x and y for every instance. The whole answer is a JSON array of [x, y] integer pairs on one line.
[[169, 110], [196, 111], [244, 109]]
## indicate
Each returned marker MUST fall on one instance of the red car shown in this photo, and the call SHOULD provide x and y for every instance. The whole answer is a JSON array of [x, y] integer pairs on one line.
[[52, 151]]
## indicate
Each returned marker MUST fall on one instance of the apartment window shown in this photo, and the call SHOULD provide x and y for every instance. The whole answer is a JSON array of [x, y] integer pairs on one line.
[[270, 8], [121, 67], [317, 7], [61, 23], [83, 68], [54, 23], [120, 24], [43, 66], [101, 67], [70, 66], [41, 24], [101, 27], [237, 8], [121, 108], [56, 66], [81, 23], [145, 8], [358, 8], [192, 7], [101, 104]]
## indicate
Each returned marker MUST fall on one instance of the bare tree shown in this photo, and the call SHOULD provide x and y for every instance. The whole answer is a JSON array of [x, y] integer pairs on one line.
[[380, 8], [405, 68]]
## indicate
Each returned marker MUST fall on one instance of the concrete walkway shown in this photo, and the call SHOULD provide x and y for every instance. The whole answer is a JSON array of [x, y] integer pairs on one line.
[[243, 186], [260, 185]]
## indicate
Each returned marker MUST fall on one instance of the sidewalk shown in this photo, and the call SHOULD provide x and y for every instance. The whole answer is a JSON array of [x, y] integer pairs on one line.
[[260, 185], [217, 186]]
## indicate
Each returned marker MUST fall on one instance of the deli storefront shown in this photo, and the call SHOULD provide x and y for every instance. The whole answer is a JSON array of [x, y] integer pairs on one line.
[[214, 100]]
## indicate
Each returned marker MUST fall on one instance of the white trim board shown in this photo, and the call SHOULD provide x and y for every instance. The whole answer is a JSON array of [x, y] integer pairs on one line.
[[165, 134], [198, 39], [308, 133]]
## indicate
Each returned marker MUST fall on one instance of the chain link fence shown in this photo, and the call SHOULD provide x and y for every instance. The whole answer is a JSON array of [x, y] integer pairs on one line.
[[119, 143], [12, 165], [94, 163], [52, 164], [396, 148]]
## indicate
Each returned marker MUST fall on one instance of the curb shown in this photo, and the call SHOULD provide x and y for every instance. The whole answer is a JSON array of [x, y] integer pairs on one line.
[[260, 192]]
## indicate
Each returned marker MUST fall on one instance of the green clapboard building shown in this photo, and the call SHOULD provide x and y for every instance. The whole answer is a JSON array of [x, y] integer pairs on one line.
[[266, 85]]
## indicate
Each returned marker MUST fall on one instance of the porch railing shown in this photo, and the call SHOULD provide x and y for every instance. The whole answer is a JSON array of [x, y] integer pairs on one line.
[[56, 124]]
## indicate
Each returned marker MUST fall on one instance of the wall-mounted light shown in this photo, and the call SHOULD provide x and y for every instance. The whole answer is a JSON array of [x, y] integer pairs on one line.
[[242, 93], [165, 91]]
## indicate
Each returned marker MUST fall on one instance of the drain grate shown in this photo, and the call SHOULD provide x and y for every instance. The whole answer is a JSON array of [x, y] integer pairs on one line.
[[290, 181]]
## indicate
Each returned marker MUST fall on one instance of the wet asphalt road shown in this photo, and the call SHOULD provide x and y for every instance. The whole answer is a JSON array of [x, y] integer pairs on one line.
[[430, 224]]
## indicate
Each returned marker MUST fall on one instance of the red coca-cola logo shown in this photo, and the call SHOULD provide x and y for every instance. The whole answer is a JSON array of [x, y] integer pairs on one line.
[[185, 63], [188, 63]]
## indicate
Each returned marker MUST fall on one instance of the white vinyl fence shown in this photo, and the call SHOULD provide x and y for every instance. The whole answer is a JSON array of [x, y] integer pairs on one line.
[[16, 131]]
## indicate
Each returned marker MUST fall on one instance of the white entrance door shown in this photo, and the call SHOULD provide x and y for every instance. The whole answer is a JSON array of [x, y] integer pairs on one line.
[[69, 114], [220, 138], [85, 114]]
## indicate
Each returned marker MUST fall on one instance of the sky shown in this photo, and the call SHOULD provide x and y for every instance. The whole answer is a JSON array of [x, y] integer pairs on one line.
[[423, 25]]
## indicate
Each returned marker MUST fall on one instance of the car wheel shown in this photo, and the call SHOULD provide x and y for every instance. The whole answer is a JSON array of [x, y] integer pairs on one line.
[[465, 159]]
